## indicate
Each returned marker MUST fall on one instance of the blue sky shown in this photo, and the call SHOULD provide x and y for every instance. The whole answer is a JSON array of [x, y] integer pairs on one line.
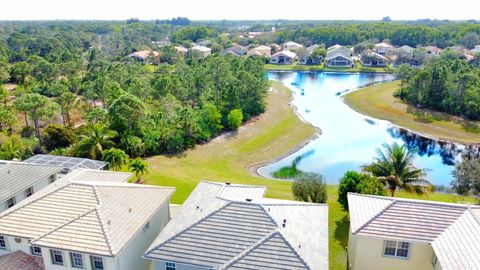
[[243, 9]]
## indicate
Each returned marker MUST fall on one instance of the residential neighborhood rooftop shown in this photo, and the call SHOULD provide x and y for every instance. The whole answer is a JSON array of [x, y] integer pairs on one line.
[[86, 175], [20, 260], [453, 230], [144, 54], [234, 227], [16, 177], [89, 217]]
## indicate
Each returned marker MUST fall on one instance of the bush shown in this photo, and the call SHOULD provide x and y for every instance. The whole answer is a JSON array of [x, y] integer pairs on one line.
[[28, 132], [57, 136], [234, 119], [361, 183], [310, 187]]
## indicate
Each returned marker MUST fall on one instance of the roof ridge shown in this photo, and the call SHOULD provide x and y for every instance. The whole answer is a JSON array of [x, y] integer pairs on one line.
[[459, 205], [375, 216], [63, 225], [108, 239], [28, 202], [247, 250], [185, 229]]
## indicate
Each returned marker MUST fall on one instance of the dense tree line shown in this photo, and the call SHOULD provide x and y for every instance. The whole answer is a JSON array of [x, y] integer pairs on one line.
[[75, 77], [447, 84]]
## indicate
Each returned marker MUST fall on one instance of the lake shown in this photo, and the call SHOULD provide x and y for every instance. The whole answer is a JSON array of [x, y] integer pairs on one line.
[[350, 139]]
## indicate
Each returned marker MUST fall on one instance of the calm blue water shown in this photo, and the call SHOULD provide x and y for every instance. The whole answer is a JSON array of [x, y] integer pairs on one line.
[[348, 138]]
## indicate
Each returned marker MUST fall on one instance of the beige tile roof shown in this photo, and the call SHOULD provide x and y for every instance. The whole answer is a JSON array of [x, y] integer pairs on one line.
[[83, 175], [453, 230], [210, 230], [92, 217], [16, 177]]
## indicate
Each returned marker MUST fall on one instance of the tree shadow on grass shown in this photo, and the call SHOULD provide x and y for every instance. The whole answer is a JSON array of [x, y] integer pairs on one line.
[[341, 231]]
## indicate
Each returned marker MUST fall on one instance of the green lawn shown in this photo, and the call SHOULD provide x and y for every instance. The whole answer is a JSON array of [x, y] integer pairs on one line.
[[378, 101], [232, 158], [358, 68]]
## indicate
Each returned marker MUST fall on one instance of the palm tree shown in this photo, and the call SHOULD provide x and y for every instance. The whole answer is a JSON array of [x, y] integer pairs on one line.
[[394, 167], [116, 158], [95, 140], [139, 168]]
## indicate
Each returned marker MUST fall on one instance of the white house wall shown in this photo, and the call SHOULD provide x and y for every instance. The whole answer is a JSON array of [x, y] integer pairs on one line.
[[160, 265], [20, 196]]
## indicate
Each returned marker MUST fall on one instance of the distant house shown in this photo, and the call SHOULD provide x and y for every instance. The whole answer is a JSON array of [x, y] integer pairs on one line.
[[383, 48], [147, 56], [205, 43], [236, 50], [20, 180], [181, 50], [67, 163], [405, 234], [291, 46], [202, 50], [339, 57], [275, 47], [252, 35], [261, 50], [228, 226], [433, 50], [334, 47], [404, 55], [283, 57], [373, 59], [305, 56], [86, 225]]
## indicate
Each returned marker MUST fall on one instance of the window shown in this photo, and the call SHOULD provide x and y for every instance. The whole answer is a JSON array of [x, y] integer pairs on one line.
[[434, 260], [11, 202], [36, 251], [77, 260], [396, 249], [97, 263], [170, 266], [28, 192], [51, 179], [57, 257], [3, 245]]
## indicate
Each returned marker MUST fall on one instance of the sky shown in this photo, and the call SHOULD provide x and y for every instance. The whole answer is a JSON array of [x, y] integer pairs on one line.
[[238, 10]]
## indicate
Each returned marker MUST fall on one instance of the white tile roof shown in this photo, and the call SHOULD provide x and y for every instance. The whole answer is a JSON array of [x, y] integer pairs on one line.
[[289, 54], [214, 230], [453, 230], [91, 217], [16, 177], [83, 175]]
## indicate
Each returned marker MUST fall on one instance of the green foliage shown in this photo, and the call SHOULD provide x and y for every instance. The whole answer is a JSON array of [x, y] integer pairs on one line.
[[95, 139], [97, 115], [191, 33], [139, 168], [467, 177], [310, 187], [16, 148], [394, 168], [234, 119], [133, 145], [116, 158], [446, 84], [57, 136], [361, 183], [126, 112]]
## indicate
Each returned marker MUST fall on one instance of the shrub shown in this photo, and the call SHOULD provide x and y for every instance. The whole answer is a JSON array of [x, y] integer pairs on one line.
[[361, 183], [57, 136], [234, 119], [28, 132], [310, 187]]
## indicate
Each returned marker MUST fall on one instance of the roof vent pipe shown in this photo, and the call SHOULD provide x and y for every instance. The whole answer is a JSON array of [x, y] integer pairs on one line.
[[248, 200]]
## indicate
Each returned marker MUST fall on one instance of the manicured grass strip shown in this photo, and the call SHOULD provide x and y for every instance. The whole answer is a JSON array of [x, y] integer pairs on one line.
[[378, 101], [358, 68]]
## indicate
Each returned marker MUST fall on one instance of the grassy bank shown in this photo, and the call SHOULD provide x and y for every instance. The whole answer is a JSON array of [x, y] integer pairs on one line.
[[378, 101], [358, 68], [230, 158]]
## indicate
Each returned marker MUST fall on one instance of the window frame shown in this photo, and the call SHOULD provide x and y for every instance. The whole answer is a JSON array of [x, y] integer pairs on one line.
[[92, 259], [52, 253], [34, 253], [13, 202], [398, 246], [170, 266], [28, 192], [4, 241], [72, 260]]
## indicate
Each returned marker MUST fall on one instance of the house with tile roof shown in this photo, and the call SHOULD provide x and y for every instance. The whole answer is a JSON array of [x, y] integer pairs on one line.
[[283, 57], [20, 180], [91, 225], [291, 46], [147, 56], [236, 50], [373, 59], [261, 50], [405, 234], [339, 57], [229, 226], [383, 48], [202, 50]]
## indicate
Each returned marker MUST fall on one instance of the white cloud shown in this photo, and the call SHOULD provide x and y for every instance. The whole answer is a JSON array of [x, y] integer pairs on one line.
[[231, 10]]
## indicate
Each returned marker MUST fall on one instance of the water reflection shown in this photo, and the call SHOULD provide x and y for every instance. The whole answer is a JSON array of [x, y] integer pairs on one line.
[[350, 139]]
